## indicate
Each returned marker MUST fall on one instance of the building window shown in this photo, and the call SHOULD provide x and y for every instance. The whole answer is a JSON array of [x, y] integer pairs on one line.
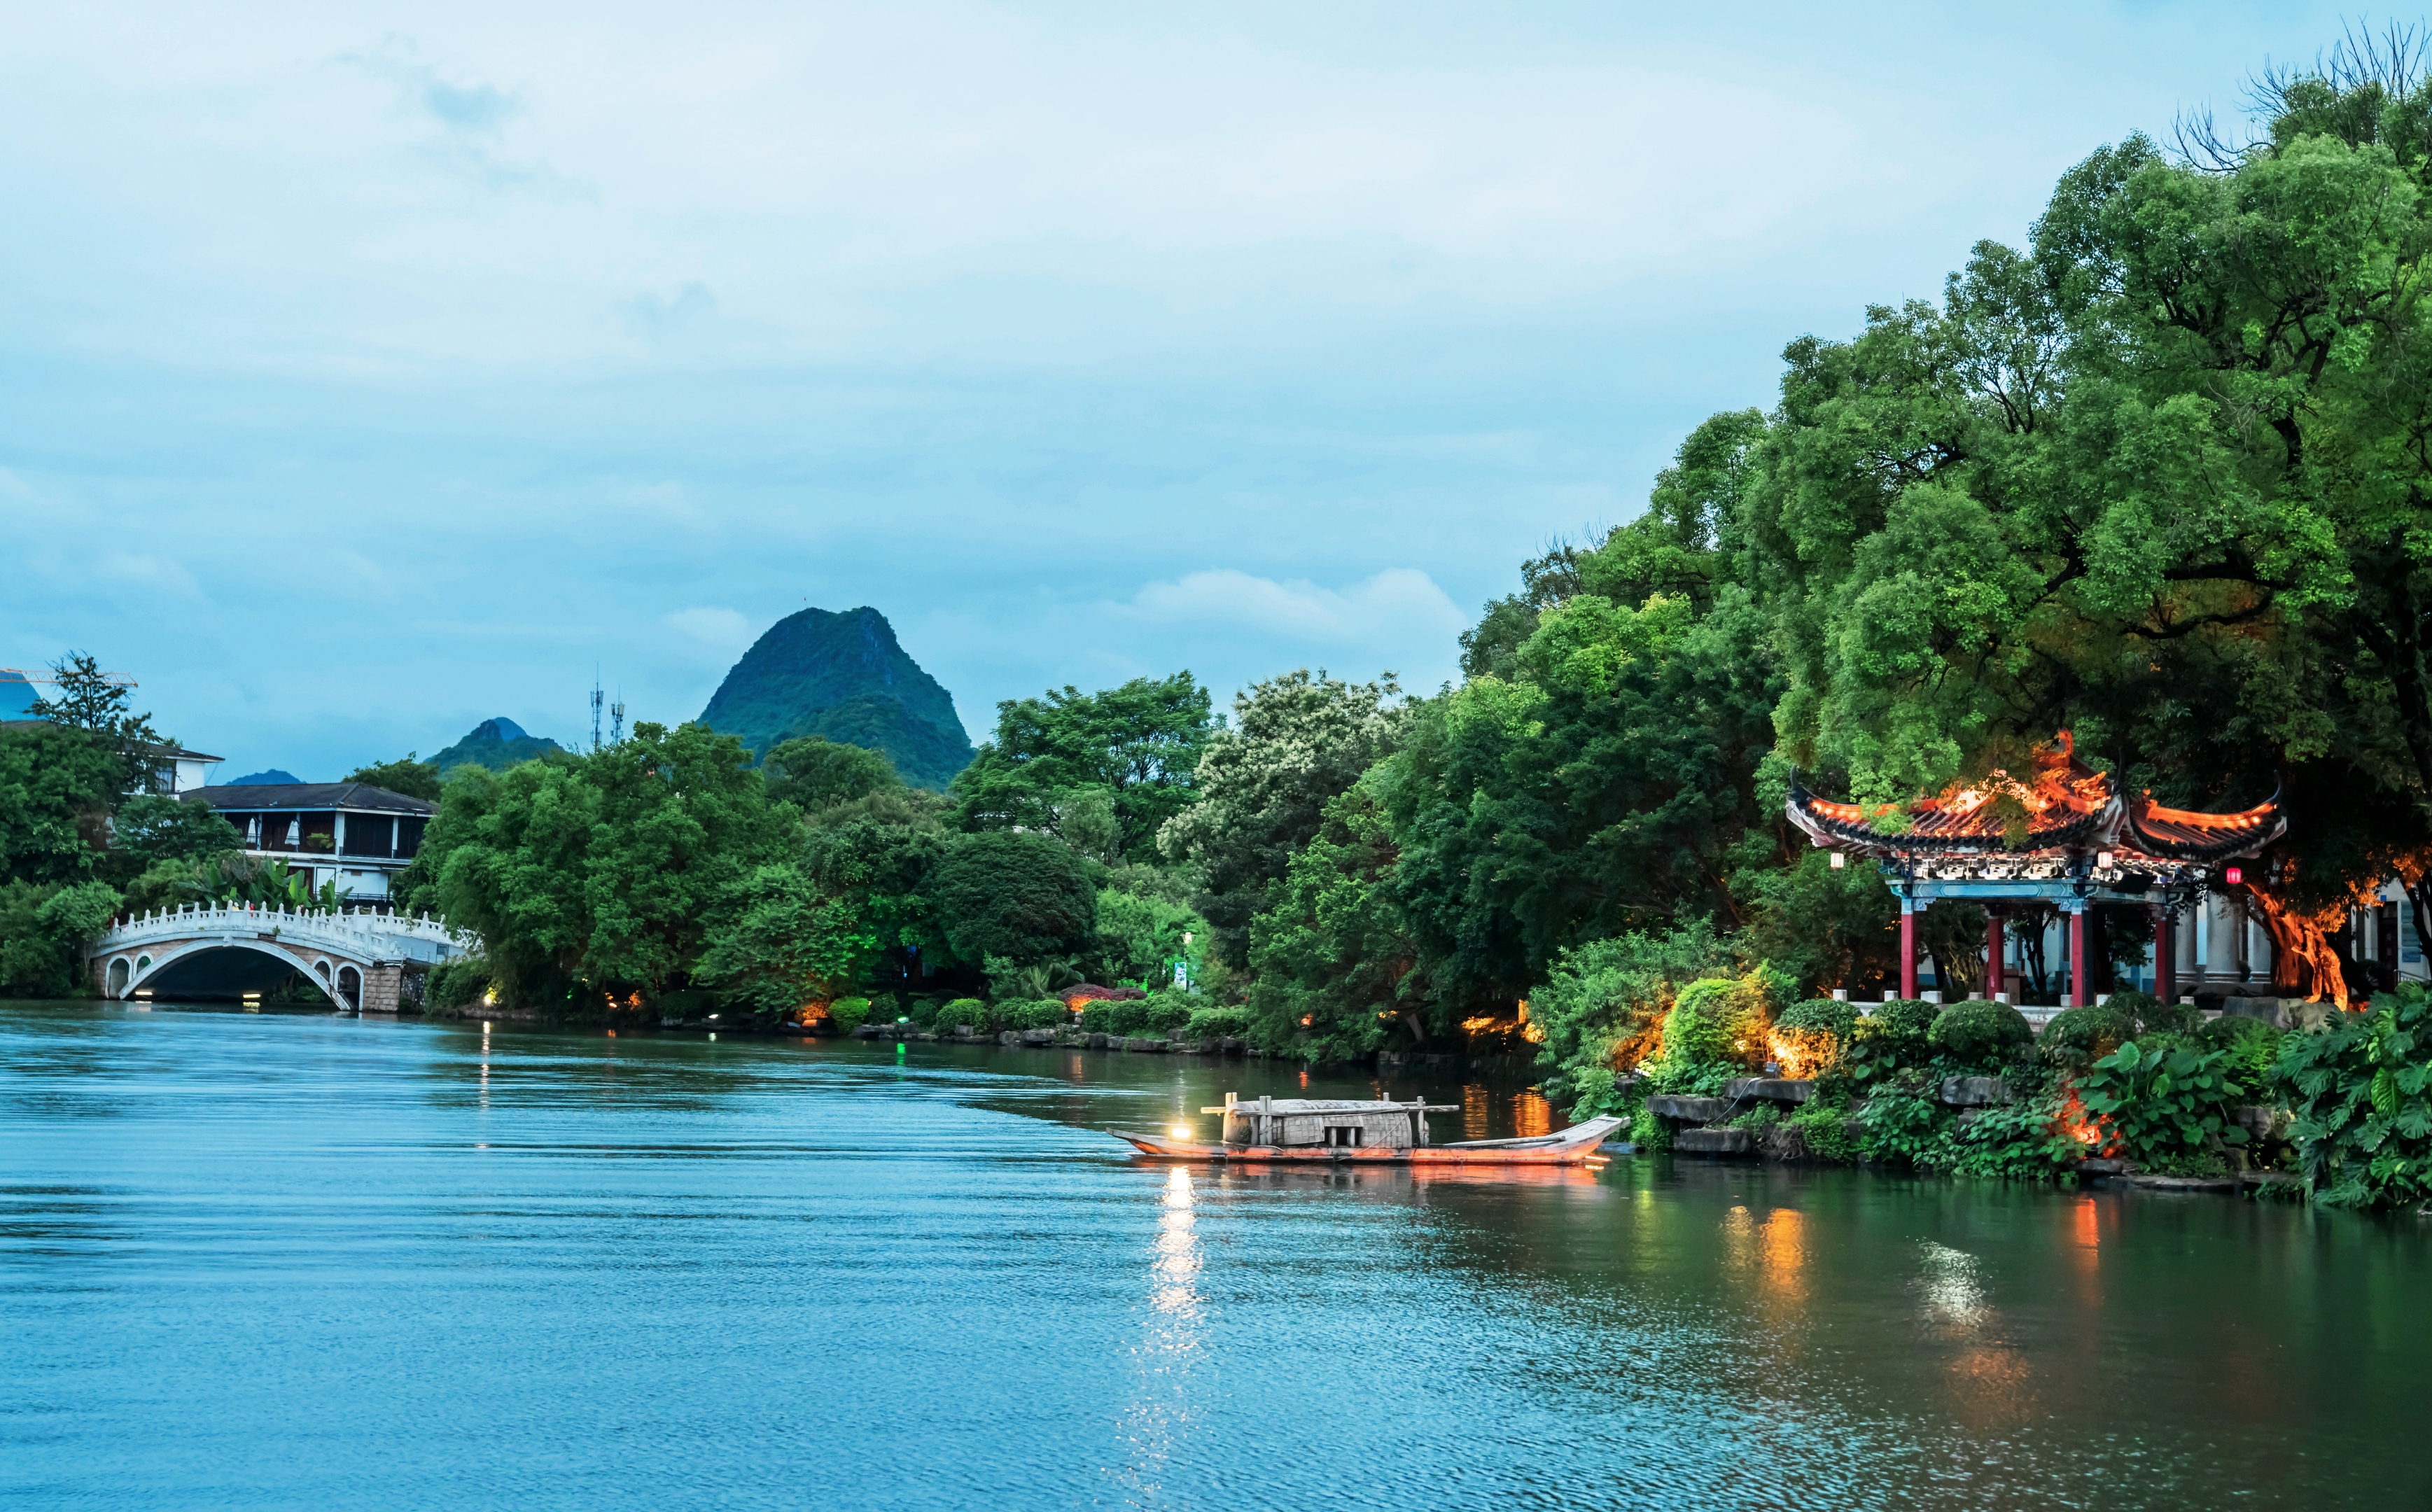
[[1340, 1137]]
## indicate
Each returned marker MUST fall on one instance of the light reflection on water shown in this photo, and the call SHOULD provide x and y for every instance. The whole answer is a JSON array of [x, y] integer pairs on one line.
[[266, 1260]]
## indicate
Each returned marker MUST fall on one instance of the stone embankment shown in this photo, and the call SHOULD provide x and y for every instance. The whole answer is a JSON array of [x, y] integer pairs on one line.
[[1062, 1039], [1699, 1128]]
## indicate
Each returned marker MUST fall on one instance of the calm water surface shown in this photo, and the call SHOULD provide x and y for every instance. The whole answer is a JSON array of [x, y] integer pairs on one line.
[[258, 1260]]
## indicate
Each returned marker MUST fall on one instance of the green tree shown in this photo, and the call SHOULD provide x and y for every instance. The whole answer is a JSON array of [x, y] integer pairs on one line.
[[58, 786], [1336, 967], [608, 871], [1295, 743], [1139, 743], [1019, 897], [407, 776], [151, 828], [788, 941], [1142, 937], [813, 773], [93, 701], [43, 929]]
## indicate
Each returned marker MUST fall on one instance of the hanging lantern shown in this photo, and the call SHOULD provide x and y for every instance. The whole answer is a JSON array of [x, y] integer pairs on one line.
[[2233, 875]]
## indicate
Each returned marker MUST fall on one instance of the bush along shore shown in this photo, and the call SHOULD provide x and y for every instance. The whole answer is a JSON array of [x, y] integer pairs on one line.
[[2129, 1090]]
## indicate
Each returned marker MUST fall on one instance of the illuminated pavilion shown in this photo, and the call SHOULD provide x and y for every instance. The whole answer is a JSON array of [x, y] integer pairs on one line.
[[2085, 844]]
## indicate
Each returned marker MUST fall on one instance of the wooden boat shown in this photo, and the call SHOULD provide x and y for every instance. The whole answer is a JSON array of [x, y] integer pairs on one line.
[[1388, 1132]]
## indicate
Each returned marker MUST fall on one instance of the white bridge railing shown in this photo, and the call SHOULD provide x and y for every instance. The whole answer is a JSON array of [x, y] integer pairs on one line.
[[360, 932]]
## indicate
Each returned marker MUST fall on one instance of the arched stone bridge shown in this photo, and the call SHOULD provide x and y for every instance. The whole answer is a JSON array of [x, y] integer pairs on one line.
[[357, 956]]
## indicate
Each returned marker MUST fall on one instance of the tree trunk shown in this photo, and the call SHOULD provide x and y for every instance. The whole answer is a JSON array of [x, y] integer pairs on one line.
[[2304, 964]]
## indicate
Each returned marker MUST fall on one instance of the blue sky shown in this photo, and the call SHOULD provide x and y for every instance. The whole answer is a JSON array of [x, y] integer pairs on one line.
[[367, 371]]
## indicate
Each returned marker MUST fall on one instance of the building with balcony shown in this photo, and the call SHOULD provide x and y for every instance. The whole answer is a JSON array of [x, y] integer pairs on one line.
[[351, 833]]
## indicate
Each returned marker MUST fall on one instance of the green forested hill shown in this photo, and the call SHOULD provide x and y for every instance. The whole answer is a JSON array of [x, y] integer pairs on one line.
[[497, 744], [843, 676]]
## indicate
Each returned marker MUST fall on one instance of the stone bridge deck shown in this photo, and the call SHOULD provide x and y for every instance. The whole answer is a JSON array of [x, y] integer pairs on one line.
[[357, 956]]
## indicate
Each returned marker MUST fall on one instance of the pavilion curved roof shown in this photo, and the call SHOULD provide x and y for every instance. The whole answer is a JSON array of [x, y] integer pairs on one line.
[[2068, 805]]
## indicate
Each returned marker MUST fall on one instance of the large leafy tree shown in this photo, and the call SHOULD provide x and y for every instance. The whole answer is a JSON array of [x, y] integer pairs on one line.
[[1295, 743], [1136, 745], [610, 869], [813, 773], [2160, 479], [1014, 897], [407, 775], [1604, 779]]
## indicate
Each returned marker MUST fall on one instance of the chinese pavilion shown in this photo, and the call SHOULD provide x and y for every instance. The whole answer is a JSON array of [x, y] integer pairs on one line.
[[2082, 843]]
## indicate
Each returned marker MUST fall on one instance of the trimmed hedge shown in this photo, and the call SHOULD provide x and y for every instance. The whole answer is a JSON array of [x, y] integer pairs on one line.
[[965, 1012], [1217, 1023], [1815, 1032], [1716, 1021], [1981, 1033], [2077, 1038], [849, 1014], [1038, 1012]]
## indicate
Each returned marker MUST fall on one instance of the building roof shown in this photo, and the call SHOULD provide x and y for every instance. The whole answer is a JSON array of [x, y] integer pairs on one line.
[[2066, 805], [288, 796]]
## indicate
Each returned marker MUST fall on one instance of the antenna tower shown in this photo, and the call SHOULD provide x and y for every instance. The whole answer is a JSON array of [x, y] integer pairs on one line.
[[617, 719], [595, 708]]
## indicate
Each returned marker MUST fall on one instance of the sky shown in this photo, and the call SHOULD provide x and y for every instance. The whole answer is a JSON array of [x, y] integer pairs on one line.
[[367, 371]]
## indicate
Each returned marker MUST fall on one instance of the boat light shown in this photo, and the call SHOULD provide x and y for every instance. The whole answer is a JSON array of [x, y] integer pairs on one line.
[[1180, 1131]]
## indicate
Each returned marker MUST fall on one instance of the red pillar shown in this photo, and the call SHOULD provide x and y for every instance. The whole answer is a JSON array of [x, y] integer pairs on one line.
[[1992, 953], [2078, 974], [1908, 949], [2166, 957]]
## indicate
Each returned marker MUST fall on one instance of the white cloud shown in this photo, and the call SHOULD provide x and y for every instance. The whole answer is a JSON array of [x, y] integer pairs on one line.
[[1232, 627], [1396, 599], [723, 629]]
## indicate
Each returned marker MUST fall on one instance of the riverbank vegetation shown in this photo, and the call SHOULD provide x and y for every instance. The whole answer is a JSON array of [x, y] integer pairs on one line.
[[2157, 476]]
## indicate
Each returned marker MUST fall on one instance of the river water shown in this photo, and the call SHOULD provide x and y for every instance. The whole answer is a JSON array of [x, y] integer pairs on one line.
[[266, 1260]]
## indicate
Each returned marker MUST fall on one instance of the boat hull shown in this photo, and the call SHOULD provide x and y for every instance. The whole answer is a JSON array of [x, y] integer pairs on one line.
[[1571, 1146]]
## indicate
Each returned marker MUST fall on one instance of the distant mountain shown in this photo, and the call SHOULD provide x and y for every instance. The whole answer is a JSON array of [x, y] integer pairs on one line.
[[497, 744], [271, 778], [843, 675]]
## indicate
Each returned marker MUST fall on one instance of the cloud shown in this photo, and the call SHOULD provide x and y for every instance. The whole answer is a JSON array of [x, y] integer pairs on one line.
[[471, 117], [723, 629], [1398, 598], [1233, 627], [651, 319]]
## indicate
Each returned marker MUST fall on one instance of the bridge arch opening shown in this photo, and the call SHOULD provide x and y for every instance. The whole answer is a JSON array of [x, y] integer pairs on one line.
[[119, 972], [232, 972], [351, 986]]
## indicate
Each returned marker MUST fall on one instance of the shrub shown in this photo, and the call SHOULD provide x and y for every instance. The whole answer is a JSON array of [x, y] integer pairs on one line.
[[1810, 1036], [2021, 1142], [1903, 1128], [849, 1014], [965, 1011], [1717, 1021], [1037, 1013], [2251, 1046], [2363, 1126], [1888, 1037], [1825, 1127], [2164, 1104], [2078, 1037], [456, 983], [1217, 1023], [1166, 1012], [1981, 1033], [1111, 1017], [2152, 1016]]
